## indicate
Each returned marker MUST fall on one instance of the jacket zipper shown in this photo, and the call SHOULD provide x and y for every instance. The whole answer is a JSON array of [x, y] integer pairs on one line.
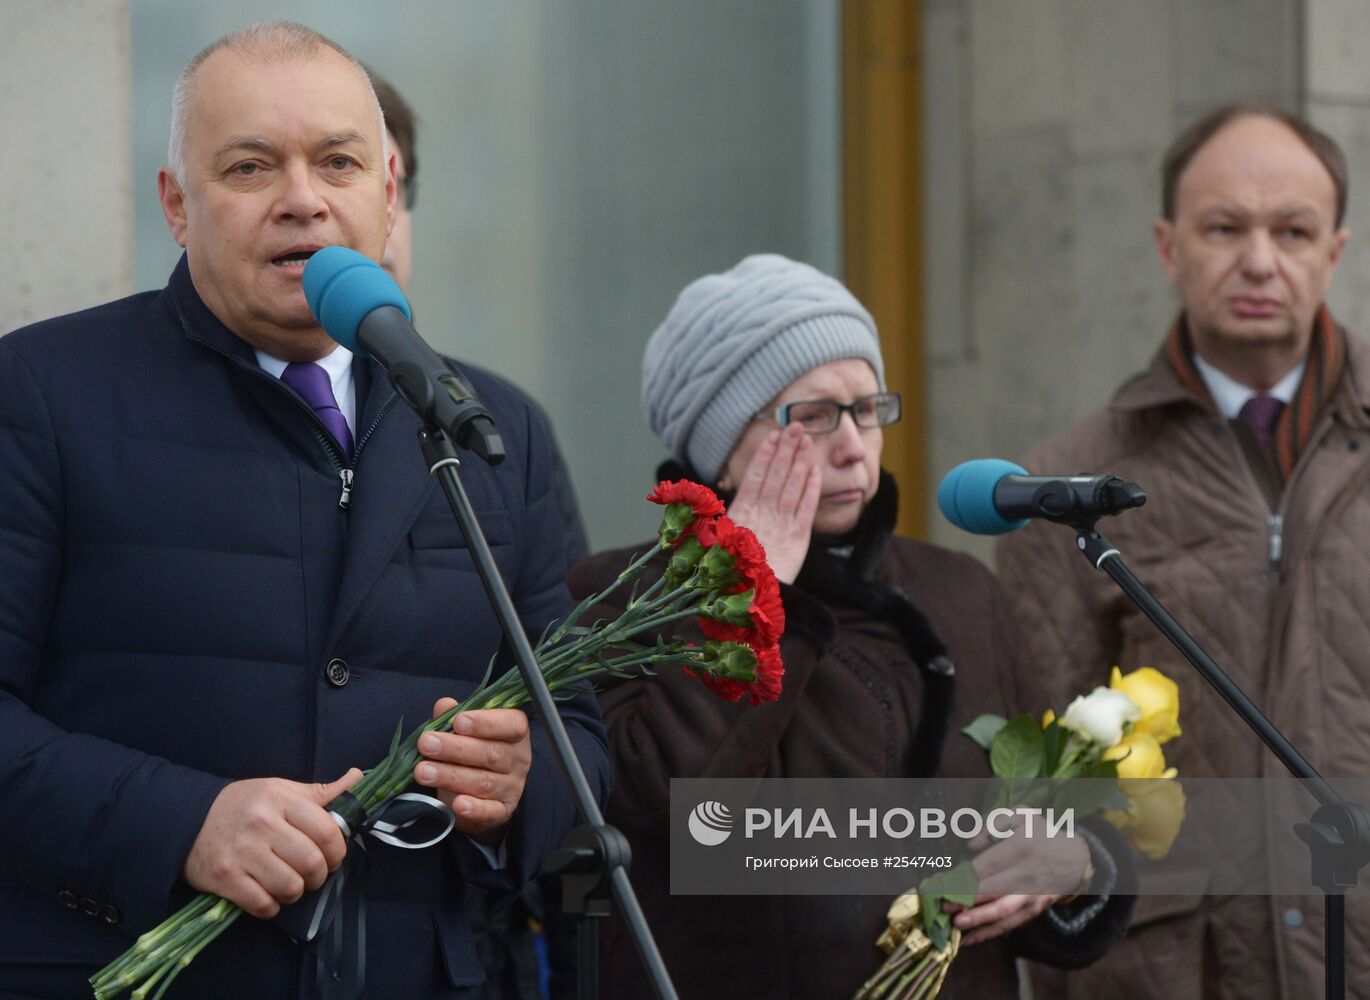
[[347, 473], [1274, 522]]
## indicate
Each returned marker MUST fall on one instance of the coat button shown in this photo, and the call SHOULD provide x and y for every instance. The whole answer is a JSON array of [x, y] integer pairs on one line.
[[337, 672], [1293, 917], [109, 914], [68, 899], [89, 907]]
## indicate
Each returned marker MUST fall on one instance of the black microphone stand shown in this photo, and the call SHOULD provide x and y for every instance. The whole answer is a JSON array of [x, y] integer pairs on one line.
[[594, 857], [1338, 835]]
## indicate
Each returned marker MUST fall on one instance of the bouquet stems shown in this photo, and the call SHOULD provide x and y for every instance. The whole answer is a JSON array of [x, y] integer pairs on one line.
[[569, 657]]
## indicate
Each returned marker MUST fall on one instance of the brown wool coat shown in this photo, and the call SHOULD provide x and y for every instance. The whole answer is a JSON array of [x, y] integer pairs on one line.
[[1295, 637], [850, 703]]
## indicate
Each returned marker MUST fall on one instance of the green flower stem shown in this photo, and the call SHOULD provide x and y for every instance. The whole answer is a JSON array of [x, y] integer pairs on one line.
[[198, 946], [879, 982], [914, 977], [623, 629], [142, 991], [567, 657], [135, 956], [188, 931]]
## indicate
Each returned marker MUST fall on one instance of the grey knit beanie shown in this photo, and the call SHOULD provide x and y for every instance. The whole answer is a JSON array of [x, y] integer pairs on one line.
[[733, 341]]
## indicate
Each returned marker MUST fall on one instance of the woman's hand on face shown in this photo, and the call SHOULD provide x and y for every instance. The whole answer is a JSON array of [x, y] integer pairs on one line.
[[1039, 871], [778, 498]]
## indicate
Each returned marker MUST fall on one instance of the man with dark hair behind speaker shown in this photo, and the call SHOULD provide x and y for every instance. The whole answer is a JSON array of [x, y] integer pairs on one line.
[[1248, 433], [402, 126]]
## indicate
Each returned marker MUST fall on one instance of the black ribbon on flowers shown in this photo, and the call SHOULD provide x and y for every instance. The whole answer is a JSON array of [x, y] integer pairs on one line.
[[330, 921]]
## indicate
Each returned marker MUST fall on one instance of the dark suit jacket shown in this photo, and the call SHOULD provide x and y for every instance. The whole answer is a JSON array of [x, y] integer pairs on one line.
[[176, 574]]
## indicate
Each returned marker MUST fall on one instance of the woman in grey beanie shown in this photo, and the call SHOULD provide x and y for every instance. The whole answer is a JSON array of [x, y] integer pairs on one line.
[[766, 381]]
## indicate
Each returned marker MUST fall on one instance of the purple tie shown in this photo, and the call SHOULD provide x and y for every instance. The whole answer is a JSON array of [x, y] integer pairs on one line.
[[313, 383], [1262, 411]]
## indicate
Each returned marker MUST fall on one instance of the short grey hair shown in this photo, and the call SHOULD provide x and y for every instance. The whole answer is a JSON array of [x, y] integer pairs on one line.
[[268, 42]]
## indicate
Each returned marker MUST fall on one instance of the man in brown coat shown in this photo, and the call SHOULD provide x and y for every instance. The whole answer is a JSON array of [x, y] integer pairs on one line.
[[1249, 433]]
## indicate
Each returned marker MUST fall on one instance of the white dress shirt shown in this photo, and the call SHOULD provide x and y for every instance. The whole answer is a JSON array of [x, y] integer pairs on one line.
[[1230, 395], [339, 368]]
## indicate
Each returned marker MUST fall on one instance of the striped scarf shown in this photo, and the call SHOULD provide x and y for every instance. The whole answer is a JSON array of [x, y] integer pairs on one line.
[[1326, 362]]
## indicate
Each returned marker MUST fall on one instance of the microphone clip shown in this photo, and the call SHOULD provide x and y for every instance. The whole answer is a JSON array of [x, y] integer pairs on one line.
[[1080, 501]]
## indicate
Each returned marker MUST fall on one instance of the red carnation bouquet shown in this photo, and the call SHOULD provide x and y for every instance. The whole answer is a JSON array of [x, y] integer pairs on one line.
[[717, 574]]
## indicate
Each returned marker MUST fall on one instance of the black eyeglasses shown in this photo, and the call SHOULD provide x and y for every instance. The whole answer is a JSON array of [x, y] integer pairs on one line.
[[821, 416]]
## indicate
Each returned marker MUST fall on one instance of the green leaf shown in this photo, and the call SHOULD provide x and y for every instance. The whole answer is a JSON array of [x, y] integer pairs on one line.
[[489, 669], [985, 728], [1019, 750], [395, 740], [1054, 740], [939, 930], [960, 885]]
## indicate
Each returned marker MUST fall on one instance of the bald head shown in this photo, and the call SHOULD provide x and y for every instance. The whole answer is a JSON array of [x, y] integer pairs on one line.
[[264, 43]]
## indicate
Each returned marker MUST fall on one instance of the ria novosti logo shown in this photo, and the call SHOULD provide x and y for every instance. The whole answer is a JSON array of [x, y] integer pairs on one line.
[[710, 823]]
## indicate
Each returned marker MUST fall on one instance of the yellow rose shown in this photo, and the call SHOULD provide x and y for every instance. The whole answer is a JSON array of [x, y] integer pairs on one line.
[[1158, 813], [1138, 755], [1048, 717], [1156, 696]]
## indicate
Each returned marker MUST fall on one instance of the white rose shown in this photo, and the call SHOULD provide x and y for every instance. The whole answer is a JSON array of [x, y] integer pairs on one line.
[[1099, 715]]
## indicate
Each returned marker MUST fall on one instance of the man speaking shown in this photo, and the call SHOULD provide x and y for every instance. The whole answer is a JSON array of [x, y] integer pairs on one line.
[[225, 576]]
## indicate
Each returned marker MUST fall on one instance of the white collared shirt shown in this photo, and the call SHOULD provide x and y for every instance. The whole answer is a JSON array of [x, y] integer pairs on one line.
[[339, 368], [1230, 395]]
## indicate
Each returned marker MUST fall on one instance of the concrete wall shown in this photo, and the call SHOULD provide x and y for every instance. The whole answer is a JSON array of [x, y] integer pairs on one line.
[[1046, 120], [1338, 101], [66, 211]]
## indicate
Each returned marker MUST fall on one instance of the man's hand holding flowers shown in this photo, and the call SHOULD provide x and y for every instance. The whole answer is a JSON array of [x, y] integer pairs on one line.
[[266, 840], [477, 768]]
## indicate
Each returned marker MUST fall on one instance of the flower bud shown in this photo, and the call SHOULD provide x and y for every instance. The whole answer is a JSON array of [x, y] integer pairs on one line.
[[717, 570], [730, 659], [683, 561], [730, 609], [677, 517]]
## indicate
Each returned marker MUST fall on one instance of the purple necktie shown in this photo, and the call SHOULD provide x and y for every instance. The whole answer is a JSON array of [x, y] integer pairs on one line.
[[1262, 412], [313, 383]]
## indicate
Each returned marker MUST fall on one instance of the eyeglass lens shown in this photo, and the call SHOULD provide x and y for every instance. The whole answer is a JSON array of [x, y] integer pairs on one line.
[[819, 416]]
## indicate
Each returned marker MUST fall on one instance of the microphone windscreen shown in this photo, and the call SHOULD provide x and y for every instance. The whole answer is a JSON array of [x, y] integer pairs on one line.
[[966, 496], [342, 286]]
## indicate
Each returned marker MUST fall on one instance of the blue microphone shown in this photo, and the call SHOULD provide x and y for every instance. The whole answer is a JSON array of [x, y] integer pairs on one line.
[[359, 305], [343, 287], [989, 496]]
